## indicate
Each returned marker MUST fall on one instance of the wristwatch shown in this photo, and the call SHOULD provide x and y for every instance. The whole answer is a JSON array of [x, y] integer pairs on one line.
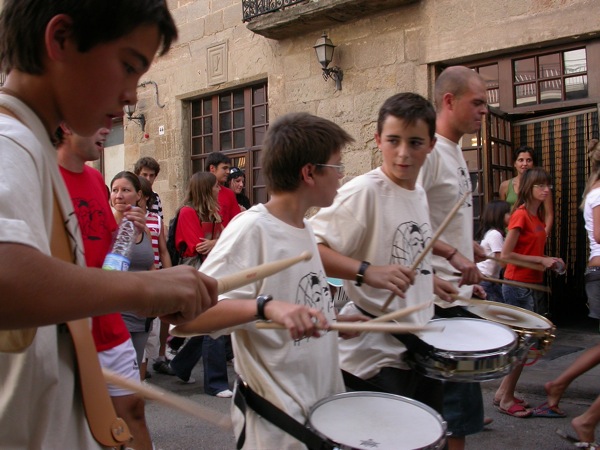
[[261, 301], [361, 273]]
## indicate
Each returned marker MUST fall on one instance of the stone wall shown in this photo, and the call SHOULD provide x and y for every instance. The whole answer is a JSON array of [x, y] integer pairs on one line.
[[380, 54]]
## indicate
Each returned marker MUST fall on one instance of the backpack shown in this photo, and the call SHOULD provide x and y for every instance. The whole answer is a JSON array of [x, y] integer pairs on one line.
[[174, 253]]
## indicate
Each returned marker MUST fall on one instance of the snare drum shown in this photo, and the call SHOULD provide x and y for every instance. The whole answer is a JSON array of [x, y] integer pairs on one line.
[[533, 329], [368, 420], [467, 350]]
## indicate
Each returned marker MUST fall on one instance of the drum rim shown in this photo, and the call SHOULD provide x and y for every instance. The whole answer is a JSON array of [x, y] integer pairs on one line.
[[375, 394], [443, 424], [524, 311]]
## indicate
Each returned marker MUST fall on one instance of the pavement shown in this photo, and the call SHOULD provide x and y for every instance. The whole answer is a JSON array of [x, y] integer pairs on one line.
[[172, 430]]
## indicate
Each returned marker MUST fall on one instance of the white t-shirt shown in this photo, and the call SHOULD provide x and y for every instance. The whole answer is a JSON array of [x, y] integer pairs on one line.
[[491, 243], [40, 405], [445, 178], [373, 219], [293, 375], [592, 200]]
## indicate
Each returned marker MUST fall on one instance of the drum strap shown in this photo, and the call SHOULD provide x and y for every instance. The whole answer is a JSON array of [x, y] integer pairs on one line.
[[454, 311], [246, 398], [358, 384]]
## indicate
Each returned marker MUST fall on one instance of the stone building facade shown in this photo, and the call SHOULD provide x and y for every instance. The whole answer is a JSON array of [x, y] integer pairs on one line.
[[224, 79]]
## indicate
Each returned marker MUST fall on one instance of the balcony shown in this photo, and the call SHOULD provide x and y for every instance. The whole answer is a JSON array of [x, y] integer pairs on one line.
[[281, 19]]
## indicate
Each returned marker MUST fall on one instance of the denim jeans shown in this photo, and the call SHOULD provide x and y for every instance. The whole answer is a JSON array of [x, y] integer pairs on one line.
[[592, 289], [518, 296], [493, 291], [212, 352]]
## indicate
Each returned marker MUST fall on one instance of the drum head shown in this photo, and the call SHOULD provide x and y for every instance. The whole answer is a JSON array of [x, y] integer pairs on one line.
[[376, 420], [512, 316], [467, 335]]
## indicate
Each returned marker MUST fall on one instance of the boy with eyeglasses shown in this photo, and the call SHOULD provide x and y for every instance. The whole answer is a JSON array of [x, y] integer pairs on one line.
[[376, 228], [289, 368]]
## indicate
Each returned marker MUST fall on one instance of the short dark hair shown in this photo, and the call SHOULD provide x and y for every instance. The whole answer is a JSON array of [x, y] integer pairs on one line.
[[146, 161], [525, 149], [294, 140], [410, 108], [216, 158], [23, 24]]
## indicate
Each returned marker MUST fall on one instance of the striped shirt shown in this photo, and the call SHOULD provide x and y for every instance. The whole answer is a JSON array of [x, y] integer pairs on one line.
[[154, 224]]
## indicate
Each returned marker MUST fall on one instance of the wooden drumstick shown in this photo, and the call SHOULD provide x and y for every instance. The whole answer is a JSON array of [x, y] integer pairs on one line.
[[397, 328], [432, 242], [247, 276], [516, 262], [535, 287], [239, 279], [167, 398], [395, 315]]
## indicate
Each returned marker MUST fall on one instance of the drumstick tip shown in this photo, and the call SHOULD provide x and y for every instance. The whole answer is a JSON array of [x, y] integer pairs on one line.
[[306, 255]]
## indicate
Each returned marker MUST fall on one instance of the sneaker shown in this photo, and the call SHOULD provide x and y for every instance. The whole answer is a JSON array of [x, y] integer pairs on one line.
[[190, 380], [163, 367], [170, 354], [224, 394]]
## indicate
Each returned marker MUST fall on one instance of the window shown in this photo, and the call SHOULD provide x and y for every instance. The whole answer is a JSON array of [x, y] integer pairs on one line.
[[543, 80], [490, 74], [549, 78], [233, 122]]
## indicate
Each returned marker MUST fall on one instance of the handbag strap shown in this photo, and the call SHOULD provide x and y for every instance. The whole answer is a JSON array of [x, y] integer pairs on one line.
[[108, 429], [246, 397]]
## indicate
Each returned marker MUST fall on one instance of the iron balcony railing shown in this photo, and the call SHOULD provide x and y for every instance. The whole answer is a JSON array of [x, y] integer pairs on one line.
[[255, 8]]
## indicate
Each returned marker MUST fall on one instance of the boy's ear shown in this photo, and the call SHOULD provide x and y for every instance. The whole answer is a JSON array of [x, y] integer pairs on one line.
[[307, 173], [433, 141], [58, 31], [377, 139]]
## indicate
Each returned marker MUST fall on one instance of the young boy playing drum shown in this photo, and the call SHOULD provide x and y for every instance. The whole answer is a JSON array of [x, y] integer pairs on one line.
[[376, 228], [302, 166], [79, 62]]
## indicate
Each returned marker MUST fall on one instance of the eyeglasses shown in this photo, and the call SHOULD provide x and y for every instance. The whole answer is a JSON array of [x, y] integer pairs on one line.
[[236, 171], [544, 186], [339, 167]]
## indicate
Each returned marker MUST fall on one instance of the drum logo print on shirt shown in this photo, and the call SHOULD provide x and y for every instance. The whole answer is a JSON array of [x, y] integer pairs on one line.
[[410, 239], [313, 291], [464, 185]]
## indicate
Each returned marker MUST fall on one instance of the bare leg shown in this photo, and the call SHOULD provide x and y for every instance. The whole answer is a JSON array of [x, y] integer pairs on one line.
[[585, 424], [143, 368], [131, 409], [555, 388], [507, 388], [456, 443], [164, 334]]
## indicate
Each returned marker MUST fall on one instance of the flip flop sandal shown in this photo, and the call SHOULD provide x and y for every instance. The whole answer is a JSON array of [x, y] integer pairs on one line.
[[516, 410], [551, 412], [576, 442], [519, 401]]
